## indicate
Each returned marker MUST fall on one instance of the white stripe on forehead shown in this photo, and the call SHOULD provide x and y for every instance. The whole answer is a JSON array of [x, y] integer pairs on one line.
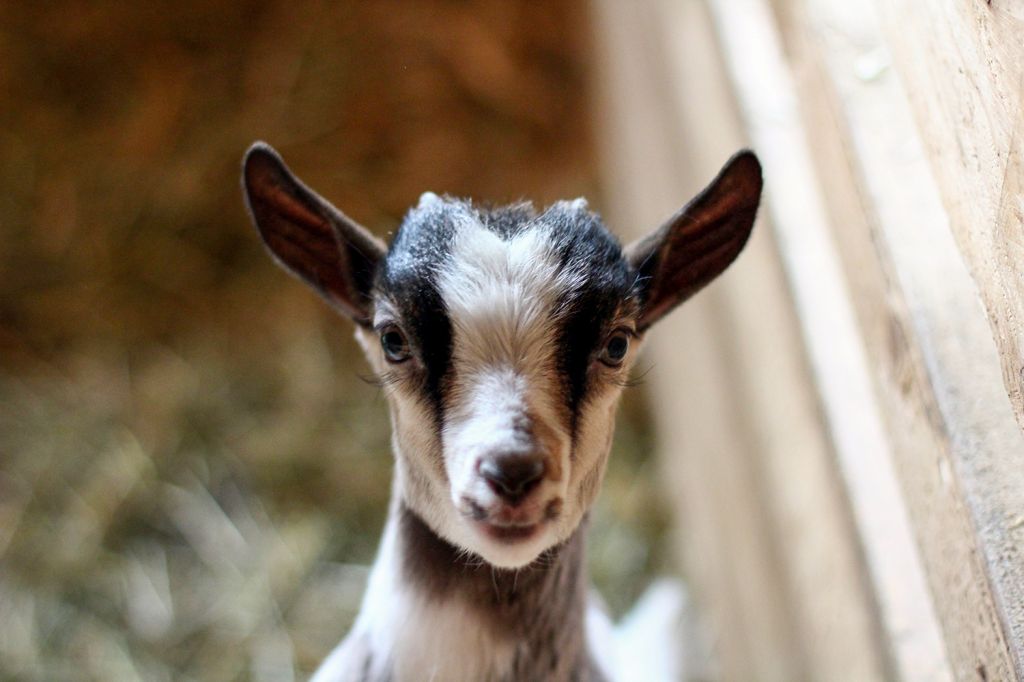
[[502, 295], [502, 298]]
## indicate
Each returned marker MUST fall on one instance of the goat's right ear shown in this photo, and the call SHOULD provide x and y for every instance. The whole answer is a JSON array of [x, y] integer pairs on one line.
[[308, 236]]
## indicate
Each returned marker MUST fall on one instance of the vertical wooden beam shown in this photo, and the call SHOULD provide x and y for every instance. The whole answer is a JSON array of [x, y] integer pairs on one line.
[[769, 101]]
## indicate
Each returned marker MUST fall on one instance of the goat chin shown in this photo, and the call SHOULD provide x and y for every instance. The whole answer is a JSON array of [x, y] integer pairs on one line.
[[513, 555]]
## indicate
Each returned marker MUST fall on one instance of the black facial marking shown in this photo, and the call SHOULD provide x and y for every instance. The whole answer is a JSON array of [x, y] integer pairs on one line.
[[585, 246], [409, 280], [507, 221]]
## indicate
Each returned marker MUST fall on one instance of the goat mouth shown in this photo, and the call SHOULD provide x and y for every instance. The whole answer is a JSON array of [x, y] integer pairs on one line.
[[509, 525], [510, 533], [500, 530]]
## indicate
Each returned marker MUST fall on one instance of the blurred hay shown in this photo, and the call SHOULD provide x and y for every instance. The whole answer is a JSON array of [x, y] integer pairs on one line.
[[190, 467]]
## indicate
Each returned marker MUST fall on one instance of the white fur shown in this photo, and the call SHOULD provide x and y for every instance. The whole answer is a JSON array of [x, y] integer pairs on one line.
[[577, 204], [427, 199]]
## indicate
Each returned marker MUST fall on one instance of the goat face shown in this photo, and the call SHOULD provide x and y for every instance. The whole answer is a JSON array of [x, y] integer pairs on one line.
[[503, 337]]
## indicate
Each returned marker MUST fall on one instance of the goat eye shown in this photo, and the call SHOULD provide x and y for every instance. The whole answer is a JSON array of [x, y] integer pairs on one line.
[[615, 349], [396, 348]]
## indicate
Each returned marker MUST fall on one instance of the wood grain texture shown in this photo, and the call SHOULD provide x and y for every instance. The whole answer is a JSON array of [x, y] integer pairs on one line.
[[935, 367], [965, 61], [943, 366]]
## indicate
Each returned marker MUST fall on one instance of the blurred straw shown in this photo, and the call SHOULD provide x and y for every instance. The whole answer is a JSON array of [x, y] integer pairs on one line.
[[192, 476]]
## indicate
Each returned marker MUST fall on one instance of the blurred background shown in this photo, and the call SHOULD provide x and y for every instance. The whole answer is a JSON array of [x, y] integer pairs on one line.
[[193, 475]]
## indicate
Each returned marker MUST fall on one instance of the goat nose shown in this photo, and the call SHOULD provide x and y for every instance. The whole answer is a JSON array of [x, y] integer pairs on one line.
[[512, 477]]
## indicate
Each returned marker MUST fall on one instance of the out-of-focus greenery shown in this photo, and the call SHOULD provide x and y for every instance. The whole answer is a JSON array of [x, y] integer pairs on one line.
[[192, 475]]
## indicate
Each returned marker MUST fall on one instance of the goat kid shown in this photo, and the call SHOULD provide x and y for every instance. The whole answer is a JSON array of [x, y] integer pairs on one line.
[[503, 337]]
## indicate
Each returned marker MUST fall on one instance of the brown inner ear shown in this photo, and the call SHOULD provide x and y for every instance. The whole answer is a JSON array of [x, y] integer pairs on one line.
[[308, 236], [699, 242]]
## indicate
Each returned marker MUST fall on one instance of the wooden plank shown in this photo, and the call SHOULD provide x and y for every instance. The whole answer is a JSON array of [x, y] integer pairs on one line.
[[966, 63], [938, 372], [949, 384], [768, 99], [764, 526]]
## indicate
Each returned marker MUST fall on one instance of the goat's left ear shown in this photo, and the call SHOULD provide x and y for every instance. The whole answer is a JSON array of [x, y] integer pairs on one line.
[[696, 244]]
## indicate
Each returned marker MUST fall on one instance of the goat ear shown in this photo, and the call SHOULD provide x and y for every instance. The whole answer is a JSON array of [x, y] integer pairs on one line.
[[696, 244], [308, 236]]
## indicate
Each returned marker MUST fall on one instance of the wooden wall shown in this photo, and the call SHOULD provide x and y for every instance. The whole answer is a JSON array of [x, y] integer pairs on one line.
[[840, 416]]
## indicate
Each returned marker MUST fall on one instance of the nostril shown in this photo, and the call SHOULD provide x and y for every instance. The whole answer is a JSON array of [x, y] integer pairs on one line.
[[512, 476]]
